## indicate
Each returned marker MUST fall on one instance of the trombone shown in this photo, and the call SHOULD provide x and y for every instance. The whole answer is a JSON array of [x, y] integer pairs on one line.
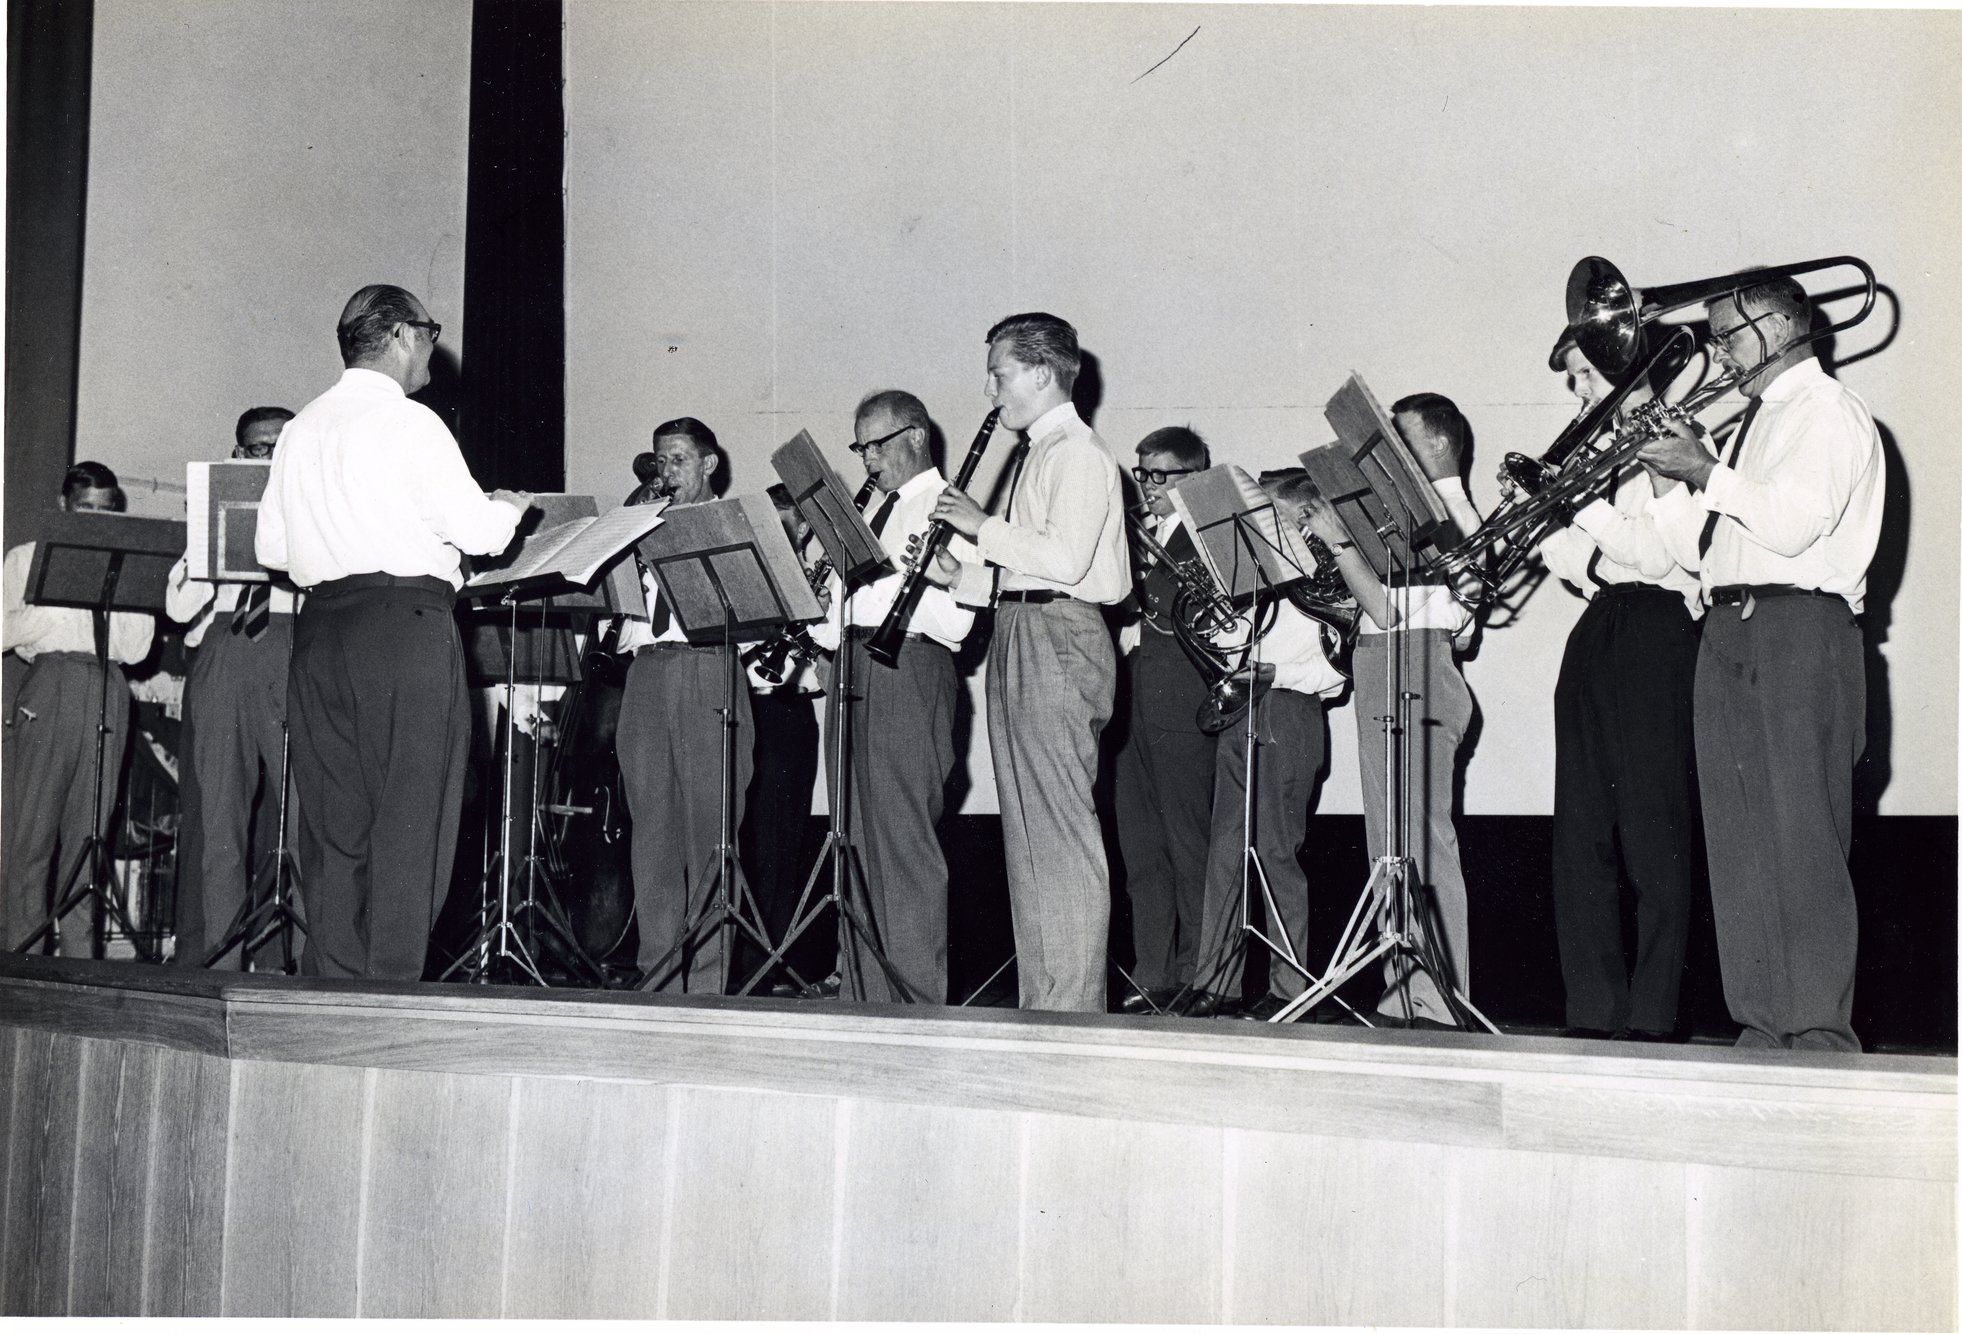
[[1610, 322]]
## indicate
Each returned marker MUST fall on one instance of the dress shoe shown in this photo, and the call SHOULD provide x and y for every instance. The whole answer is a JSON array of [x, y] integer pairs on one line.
[[825, 990], [1644, 1035], [1212, 1005], [1591, 1034], [782, 989], [1418, 1022], [1149, 1000], [1265, 1008]]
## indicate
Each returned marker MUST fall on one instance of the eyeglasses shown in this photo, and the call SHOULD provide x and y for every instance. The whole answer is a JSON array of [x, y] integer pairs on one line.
[[252, 452], [435, 330], [880, 443], [1159, 476]]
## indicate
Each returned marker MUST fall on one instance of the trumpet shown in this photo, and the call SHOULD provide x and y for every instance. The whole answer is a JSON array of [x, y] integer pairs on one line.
[[1202, 615], [1610, 322]]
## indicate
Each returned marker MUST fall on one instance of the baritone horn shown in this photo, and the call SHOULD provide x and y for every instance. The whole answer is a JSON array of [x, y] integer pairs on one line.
[[1610, 321], [1202, 615]]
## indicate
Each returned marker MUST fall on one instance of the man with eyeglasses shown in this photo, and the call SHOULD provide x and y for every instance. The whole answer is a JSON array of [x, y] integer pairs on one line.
[[1781, 529], [48, 790], [370, 508], [903, 724], [240, 640], [1052, 671], [1163, 790]]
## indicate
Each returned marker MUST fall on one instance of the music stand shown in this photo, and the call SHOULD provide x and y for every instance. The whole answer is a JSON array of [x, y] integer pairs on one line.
[[1251, 555], [99, 563], [728, 574], [1389, 904], [860, 557], [560, 554]]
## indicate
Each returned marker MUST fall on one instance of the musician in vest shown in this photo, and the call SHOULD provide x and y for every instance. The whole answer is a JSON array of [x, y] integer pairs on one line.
[[49, 784], [902, 739], [1781, 530], [1423, 625], [1163, 779], [1059, 552], [240, 638], [1624, 786], [670, 747]]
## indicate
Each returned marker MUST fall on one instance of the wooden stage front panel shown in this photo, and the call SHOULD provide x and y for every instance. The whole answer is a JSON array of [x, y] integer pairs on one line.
[[189, 1144]]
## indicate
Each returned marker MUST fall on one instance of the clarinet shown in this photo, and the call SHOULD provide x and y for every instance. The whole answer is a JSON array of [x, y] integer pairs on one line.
[[771, 657], [885, 642]]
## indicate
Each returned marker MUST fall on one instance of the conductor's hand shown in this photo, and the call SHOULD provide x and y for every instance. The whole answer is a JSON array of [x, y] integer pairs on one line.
[[823, 592], [959, 512], [518, 500], [1678, 453]]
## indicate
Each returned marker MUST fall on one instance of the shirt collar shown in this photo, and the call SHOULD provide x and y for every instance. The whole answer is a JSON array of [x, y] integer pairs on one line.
[[918, 482], [1054, 420], [1794, 380], [363, 378]]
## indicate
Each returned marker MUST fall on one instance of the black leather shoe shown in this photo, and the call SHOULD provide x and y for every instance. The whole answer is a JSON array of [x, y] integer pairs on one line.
[[1590, 1034], [1644, 1035], [1148, 1000], [1418, 1022], [1212, 1005], [1265, 1008]]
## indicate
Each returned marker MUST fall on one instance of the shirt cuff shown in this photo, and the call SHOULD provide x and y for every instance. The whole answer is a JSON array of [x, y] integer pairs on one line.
[[1592, 517], [1717, 492]]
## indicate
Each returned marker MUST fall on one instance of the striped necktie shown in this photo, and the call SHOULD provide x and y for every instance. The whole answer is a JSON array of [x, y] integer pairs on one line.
[[254, 612]]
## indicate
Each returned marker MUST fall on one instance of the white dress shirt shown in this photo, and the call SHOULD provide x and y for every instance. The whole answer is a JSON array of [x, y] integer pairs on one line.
[[1064, 528], [1293, 644], [1801, 499], [1624, 531], [1432, 606], [637, 632], [31, 631], [368, 481], [936, 615], [199, 602]]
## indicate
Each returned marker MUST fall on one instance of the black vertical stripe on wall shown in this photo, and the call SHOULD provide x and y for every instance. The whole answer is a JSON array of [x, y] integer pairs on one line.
[[512, 420]]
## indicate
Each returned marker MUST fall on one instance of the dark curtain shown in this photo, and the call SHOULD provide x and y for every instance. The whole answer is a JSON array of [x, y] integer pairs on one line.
[[512, 426], [48, 46]]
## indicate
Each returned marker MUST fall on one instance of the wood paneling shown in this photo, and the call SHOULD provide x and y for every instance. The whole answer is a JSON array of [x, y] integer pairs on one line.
[[587, 1200], [905, 1254], [432, 1230], [186, 1218], [41, 1196], [105, 1266], [1120, 1222], [1568, 1242], [293, 1197], [750, 1207], [1338, 1232], [1801, 1250]]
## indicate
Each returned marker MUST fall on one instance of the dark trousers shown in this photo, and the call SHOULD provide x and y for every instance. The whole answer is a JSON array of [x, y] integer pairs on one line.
[[1780, 721], [1163, 800], [1623, 787], [902, 756], [234, 712], [379, 719], [776, 823], [1292, 740], [670, 745], [49, 790]]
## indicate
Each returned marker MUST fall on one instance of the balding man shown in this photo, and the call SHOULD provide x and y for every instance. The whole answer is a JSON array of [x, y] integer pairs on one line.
[[903, 723], [370, 509], [1781, 530]]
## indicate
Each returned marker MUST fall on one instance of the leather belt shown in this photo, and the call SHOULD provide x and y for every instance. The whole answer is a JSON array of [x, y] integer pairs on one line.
[[911, 636], [1037, 596], [1632, 586], [673, 645], [1735, 595], [355, 583]]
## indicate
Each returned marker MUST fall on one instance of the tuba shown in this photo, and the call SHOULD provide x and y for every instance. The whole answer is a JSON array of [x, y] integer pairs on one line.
[[1610, 321], [1201, 615]]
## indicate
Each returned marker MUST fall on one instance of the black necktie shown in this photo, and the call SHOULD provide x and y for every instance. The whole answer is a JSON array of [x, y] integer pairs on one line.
[[1736, 458], [254, 612], [883, 513], [662, 618]]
